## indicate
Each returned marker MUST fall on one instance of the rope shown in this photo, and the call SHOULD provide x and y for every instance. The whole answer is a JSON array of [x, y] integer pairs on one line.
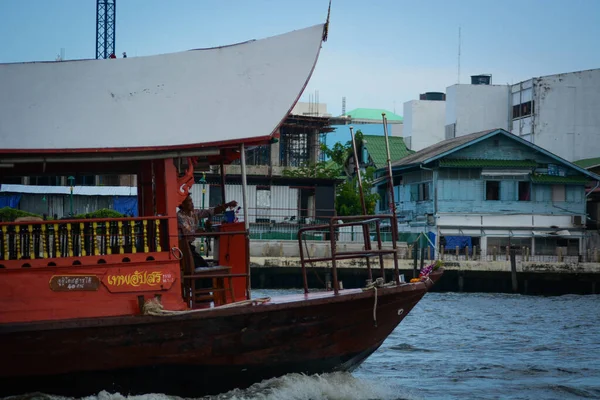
[[177, 249], [154, 307]]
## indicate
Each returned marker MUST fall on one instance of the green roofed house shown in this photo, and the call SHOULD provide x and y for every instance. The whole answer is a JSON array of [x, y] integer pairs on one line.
[[371, 115], [372, 152], [489, 190]]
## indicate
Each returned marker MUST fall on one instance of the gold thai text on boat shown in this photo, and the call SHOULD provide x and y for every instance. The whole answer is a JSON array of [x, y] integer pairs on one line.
[[136, 279]]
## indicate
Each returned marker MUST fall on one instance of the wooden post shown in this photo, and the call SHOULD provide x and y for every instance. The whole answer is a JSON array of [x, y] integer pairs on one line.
[[596, 255], [513, 271], [526, 253], [457, 252], [560, 254], [422, 257], [409, 252], [467, 253], [507, 253], [415, 255], [474, 252], [494, 252]]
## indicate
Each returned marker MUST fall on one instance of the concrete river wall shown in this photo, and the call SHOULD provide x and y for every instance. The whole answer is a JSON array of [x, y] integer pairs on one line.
[[277, 265]]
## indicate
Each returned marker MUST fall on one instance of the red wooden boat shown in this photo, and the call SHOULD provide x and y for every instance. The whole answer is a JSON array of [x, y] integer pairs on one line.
[[114, 304]]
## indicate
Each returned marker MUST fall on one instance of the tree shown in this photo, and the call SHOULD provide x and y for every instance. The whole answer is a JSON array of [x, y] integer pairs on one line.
[[348, 195]]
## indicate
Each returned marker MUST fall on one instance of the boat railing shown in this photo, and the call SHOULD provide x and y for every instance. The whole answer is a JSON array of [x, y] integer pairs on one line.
[[370, 225], [48, 243]]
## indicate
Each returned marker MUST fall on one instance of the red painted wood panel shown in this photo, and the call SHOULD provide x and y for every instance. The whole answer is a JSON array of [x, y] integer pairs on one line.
[[233, 253], [26, 295]]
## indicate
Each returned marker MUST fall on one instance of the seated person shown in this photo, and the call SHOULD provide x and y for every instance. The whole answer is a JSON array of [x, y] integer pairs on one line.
[[188, 220]]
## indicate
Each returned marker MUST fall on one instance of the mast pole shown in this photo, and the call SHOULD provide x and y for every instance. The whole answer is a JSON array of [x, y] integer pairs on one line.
[[394, 223]]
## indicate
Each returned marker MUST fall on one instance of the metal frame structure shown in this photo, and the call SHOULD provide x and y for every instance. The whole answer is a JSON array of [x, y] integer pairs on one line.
[[106, 15]]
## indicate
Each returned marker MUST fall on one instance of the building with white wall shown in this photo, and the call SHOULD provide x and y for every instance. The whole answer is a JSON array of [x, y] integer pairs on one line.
[[476, 107], [424, 122], [560, 113]]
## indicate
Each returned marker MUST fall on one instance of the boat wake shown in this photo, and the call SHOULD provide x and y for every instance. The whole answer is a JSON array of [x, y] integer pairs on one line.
[[331, 386]]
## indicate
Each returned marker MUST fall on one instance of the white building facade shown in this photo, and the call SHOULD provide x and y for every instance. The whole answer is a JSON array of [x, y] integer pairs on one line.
[[475, 108], [424, 122], [560, 113]]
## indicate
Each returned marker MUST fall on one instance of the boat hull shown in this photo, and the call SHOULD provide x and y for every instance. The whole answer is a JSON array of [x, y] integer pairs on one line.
[[206, 352]]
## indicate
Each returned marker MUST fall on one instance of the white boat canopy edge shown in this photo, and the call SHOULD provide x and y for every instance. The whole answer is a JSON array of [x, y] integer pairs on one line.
[[196, 98]]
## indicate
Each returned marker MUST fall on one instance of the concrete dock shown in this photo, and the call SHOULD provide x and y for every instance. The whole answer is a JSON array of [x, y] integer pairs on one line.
[[277, 265]]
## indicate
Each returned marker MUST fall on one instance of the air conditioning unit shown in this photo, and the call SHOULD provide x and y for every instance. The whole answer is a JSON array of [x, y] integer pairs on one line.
[[430, 219], [577, 220]]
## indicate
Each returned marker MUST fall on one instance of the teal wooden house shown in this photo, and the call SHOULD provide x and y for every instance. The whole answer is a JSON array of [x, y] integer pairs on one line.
[[491, 189]]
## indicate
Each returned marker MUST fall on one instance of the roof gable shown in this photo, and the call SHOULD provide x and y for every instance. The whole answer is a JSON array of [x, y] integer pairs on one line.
[[454, 145], [375, 146]]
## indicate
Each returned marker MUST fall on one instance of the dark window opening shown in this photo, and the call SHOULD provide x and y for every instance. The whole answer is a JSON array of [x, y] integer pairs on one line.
[[12, 180], [492, 190], [524, 191], [523, 109], [45, 180], [419, 192], [423, 191], [214, 195], [84, 180], [383, 197]]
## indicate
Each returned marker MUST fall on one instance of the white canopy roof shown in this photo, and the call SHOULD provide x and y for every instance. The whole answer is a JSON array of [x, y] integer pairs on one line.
[[179, 100]]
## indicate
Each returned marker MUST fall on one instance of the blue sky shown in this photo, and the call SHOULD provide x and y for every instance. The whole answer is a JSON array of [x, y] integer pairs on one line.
[[379, 53]]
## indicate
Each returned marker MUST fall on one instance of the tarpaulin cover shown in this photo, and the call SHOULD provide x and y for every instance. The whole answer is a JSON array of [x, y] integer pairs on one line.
[[460, 241], [126, 205], [11, 201]]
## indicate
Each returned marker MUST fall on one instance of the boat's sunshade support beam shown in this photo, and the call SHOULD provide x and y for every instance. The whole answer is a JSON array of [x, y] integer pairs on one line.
[[114, 157], [222, 167], [244, 185]]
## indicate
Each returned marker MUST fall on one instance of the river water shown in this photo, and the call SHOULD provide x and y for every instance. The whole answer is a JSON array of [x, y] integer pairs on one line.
[[459, 346]]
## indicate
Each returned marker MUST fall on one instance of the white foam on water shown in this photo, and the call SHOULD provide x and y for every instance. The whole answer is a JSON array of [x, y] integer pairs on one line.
[[332, 386]]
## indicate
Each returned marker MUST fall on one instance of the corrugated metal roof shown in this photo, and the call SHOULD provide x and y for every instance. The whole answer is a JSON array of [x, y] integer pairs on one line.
[[77, 190], [440, 148], [373, 114], [482, 163], [376, 147], [559, 180], [588, 162]]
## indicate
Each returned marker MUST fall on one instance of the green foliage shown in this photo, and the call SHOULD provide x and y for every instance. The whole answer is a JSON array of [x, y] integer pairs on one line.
[[322, 169], [8, 214], [348, 195], [340, 152], [102, 213]]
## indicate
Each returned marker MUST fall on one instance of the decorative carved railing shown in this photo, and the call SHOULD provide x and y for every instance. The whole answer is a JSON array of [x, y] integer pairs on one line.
[[80, 238]]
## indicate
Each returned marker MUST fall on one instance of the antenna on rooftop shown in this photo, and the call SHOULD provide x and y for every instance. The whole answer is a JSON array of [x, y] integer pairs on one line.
[[459, 40]]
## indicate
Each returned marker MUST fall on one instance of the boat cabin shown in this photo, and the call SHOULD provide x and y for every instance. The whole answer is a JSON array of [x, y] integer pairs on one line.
[[159, 118], [56, 269]]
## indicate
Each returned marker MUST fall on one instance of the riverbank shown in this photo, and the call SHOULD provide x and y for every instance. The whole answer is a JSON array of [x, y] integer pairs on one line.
[[533, 277]]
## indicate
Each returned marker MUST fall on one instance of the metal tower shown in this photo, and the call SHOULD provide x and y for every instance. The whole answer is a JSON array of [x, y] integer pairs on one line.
[[106, 11]]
